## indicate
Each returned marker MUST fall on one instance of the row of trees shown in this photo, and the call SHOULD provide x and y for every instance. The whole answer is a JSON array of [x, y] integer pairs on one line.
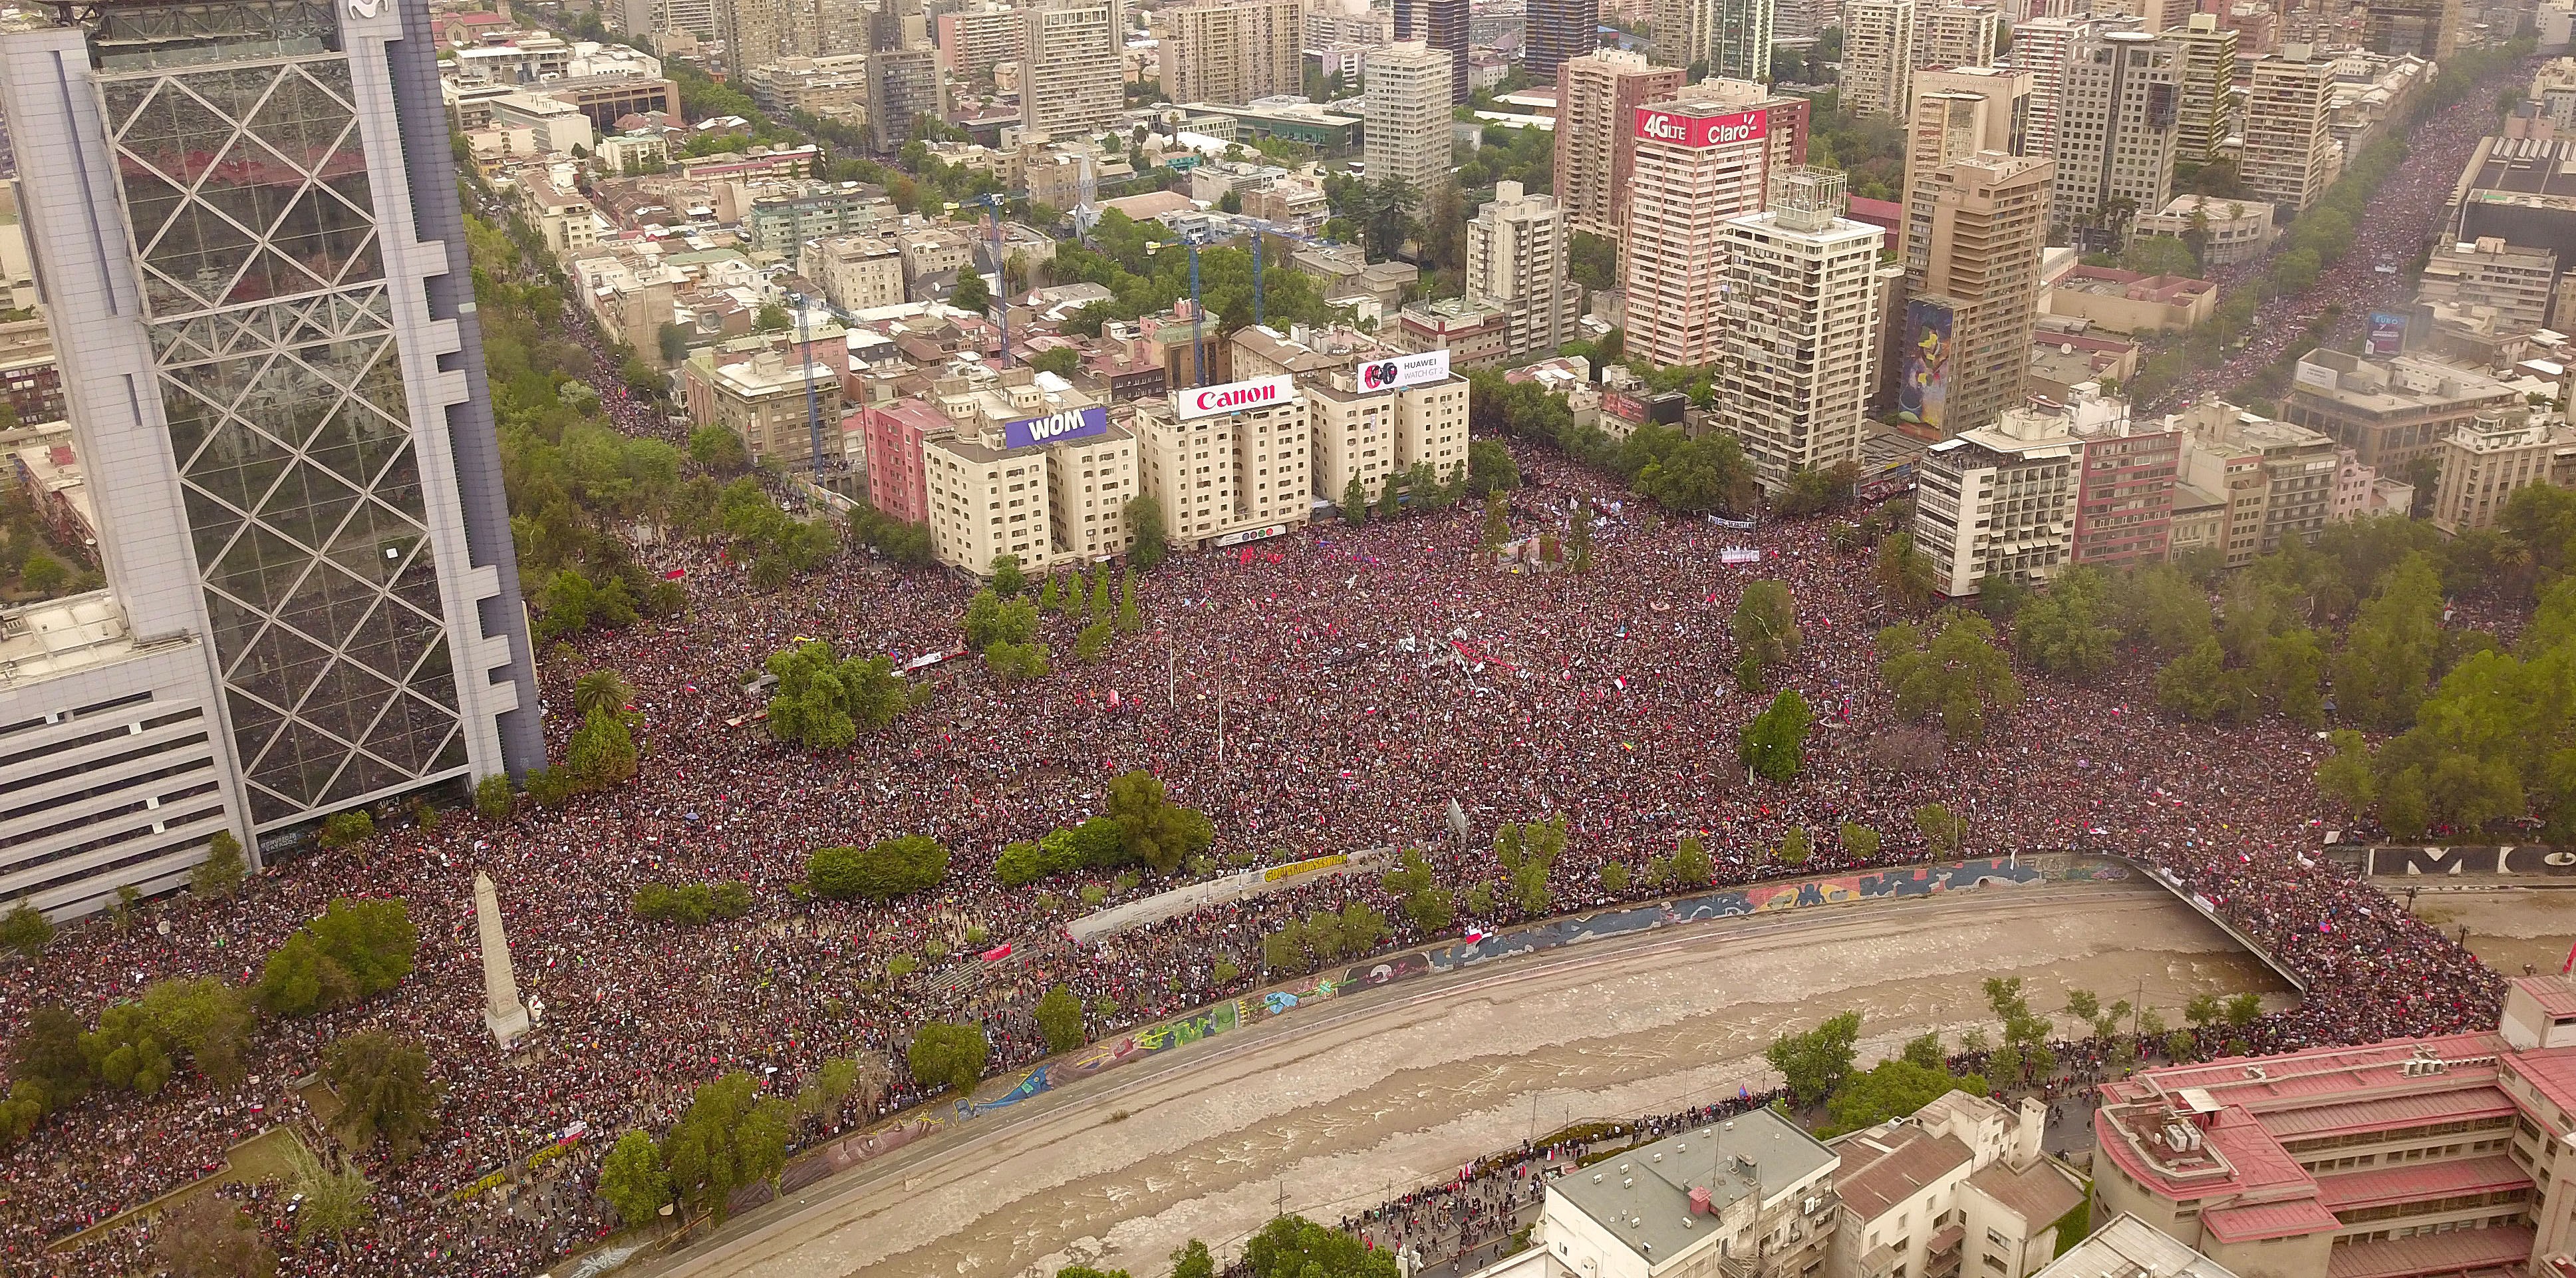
[[692, 903], [823, 702], [1683, 475], [879, 872]]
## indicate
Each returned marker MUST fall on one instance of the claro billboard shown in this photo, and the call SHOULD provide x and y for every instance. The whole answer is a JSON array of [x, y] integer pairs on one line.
[[1678, 129], [1208, 401]]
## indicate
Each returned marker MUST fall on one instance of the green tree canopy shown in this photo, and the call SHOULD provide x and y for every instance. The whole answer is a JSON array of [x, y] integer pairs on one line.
[[1816, 1062], [948, 1054], [1957, 674], [881, 871], [1774, 742], [823, 702]]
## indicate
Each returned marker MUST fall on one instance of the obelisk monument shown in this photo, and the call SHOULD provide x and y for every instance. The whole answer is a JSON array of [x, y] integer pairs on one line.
[[502, 1010]]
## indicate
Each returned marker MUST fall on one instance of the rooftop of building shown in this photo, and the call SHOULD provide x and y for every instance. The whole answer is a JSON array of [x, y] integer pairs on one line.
[[2526, 166], [54, 638], [2396, 384], [1653, 1198], [2108, 281], [1302, 349], [2131, 1248], [2217, 208], [2039, 1193], [1884, 1167]]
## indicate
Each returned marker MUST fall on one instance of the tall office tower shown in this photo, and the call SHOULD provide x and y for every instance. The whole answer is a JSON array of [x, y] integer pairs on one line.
[[2425, 28], [1441, 25], [903, 86], [1740, 40], [1878, 57], [1516, 259], [1969, 312], [829, 28], [2289, 157], [1597, 97], [1406, 103], [894, 24], [249, 221], [1064, 91], [1559, 31], [2042, 46], [648, 18], [1231, 50], [1957, 114], [1697, 164], [754, 32], [2208, 111], [1954, 35], [1800, 289], [1784, 116], [2116, 132]]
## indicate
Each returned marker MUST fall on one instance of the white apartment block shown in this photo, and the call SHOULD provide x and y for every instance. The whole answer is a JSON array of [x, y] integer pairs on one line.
[[1954, 35], [1731, 37], [1961, 1183], [1407, 101], [1066, 53], [1046, 503], [1801, 292], [2497, 454], [1370, 434], [1227, 474], [1998, 501], [1516, 248], [2290, 156], [2041, 46], [857, 272], [2117, 128], [2208, 87], [1878, 57]]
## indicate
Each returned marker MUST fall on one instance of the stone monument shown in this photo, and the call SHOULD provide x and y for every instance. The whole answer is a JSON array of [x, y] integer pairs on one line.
[[502, 1010]]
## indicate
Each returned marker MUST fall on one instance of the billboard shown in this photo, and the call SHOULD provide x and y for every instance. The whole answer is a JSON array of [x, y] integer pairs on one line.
[[2387, 334], [1624, 406], [1409, 370], [1923, 379], [1056, 428], [1208, 401], [1682, 129]]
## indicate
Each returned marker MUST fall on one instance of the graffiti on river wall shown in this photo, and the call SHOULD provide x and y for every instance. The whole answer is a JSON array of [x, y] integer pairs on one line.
[[1226, 1017], [2523, 858]]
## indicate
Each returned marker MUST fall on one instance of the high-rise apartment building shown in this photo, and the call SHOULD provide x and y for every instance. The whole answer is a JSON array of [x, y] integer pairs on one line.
[[1064, 90], [2116, 131], [1799, 285], [1956, 114], [975, 39], [1228, 463], [1516, 259], [903, 86], [1998, 501], [1597, 97], [1739, 44], [2496, 455], [1231, 50], [2277, 478], [312, 584], [1954, 35], [1698, 163], [1439, 25], [2208, 111], [1878, 57], [2042, 46], [647, 18], [2290, 156], [1558, 32], [1965, 346], [2425, 28], [1031, 467], [1407, 102], [2124, 481], [754, 31]]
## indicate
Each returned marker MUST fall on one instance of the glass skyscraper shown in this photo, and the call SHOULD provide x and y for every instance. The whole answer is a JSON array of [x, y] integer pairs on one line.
[[246, 219]]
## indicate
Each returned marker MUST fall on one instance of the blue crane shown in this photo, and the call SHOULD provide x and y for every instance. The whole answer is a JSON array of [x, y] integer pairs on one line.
[[1261, 230], [1192, 240]]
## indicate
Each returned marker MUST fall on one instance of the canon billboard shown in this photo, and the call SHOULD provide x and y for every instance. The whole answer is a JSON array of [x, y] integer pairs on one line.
[[1678, 129], [1208, 401]]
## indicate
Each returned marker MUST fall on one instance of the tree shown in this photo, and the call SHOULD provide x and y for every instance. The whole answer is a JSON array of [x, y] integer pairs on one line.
[[494, 797], [43, 573], [1859, 841], [1498, 521], [1903, 572], [1691, 863], [599, 690], [2386, 665], [1942, 830], [1060, 1019], [1773, 744], [206, 1235], [335, 1199], [1816, 1062], [718, 450], [358, 948], [947, 1054], [1059, 360], [49, 1055], [221, 873], [2242, 1009], [1704, 474], [1491, 468], [1355, 502], [1765, 626], [823, 703], [880, 872], [2062, 632], [347, 829], [632, 1180], [725, 1140], [2163, 607], [972, 294], [1957, 674], [602, 753], [1295, 1247], [1145, 523], [672, 340], [771, 318], [1894, 1088], [1151, 828], [1795, 846], [25, 929], [382, 1081], [2001, 598], [1008, 580]]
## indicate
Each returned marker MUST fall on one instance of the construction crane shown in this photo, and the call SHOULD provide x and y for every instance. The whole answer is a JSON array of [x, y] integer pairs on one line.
[[1260, 230], [1001, 270]]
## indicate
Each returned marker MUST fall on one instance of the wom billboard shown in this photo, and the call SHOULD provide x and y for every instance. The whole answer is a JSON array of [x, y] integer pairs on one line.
[[1056, 428], [1680, 129], [1923, 379]]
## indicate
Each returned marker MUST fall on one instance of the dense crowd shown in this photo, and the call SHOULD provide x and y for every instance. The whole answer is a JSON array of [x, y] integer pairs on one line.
[[1363, 679]]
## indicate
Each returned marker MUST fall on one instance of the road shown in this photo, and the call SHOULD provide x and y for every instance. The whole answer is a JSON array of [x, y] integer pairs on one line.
[[1331, 1113]]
